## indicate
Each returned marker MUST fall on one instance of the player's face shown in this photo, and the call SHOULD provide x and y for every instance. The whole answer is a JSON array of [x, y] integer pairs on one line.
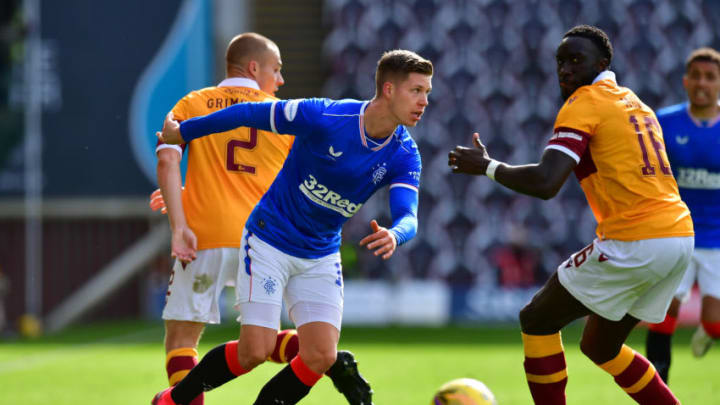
[[578, 63], [410, 97], [268, 75], [702, 83]]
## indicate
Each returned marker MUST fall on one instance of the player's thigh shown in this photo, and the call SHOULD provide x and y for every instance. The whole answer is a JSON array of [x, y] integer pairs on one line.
[[255, 343], [550, 309], [314, 291], [261, 281], [602, 338], [194, 289], [318, 345]]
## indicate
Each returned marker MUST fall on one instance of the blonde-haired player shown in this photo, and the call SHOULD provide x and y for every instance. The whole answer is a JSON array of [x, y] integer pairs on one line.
[[226, 176]]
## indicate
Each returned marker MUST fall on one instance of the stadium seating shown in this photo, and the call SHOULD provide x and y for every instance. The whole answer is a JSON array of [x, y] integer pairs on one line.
[[495, 74]]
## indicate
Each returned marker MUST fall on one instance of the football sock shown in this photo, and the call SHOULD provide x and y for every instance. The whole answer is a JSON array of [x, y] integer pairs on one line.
[[545, 368], [288, 386], [178, 364], [286, 346], [636, 376], [217, 367], [712, 329], [666, 327], [657, 347]]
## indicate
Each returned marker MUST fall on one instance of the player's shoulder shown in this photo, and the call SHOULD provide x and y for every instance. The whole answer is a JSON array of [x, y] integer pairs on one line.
[[673, 111], [406, 143], [346, 106]]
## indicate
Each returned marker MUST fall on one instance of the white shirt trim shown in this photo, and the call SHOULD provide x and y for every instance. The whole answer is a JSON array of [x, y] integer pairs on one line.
[[272, 117], [239, 82], [361, 123], [565, 151], [166, 146], [405, 185], [605, 75], [568, 135]]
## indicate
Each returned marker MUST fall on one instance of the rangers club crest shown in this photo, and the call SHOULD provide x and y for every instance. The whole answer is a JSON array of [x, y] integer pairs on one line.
[[379, 173], [269, 285]]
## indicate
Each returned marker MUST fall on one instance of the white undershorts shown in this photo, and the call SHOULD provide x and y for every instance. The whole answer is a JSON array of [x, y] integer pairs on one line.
[[312, 288], [194, 291], [614, 278], [705, 268]]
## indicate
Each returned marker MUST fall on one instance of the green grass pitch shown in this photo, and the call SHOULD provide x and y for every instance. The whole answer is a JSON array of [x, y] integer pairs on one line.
[[122, 363]]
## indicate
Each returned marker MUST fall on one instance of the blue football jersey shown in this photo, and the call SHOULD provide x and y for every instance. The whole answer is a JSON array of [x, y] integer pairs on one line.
[[693, 148], [332, 169]]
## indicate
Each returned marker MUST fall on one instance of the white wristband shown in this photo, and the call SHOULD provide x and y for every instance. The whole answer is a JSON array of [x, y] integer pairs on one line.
[[492, 166]]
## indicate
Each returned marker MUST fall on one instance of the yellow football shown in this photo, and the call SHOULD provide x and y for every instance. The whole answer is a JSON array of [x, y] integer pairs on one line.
[[464, 391]]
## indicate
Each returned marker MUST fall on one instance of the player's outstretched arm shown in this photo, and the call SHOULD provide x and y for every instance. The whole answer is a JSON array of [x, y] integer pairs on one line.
[[252, 114], [381, 241], [541, 180]]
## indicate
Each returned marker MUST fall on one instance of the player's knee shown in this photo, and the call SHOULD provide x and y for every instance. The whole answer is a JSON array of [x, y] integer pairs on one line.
[[252, 358], [530, 320], [597, 351], [319, 359]]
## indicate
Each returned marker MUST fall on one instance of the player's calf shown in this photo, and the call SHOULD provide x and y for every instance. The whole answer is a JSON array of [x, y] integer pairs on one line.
[[638, 378]]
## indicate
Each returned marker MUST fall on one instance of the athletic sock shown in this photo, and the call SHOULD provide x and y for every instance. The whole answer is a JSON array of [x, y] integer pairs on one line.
[[712, 329], [178, 364], [286, 346], [288, 386], [636, 376], [545, 368], [658, 351], [217, 367]]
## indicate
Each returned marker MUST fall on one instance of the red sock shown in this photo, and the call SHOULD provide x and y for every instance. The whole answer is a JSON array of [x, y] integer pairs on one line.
[[545, 368], [286, 346], [178, 364], [712, 329], [231, 358], [303, 372], [636, 376], [666, 327]]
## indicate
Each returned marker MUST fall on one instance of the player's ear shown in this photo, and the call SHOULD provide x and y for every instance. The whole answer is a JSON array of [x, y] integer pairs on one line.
[[388, 89], [603, 64], [253, 67], [685, 82]]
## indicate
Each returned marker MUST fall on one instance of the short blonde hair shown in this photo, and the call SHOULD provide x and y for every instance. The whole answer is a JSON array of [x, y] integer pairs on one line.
[[246, 47]]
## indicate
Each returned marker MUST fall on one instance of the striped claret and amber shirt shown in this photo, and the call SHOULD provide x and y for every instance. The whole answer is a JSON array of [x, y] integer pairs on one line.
[[227, 173], [622, 165]]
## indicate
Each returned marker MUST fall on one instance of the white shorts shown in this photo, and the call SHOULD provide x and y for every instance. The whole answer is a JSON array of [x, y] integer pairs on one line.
[[194, 291], [614, 278], [705, 268], [312, 288]]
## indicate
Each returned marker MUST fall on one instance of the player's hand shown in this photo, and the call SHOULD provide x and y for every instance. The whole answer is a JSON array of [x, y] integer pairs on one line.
[[170, 133], [157, 202], [381, 241], [184, 245], [469, 160]]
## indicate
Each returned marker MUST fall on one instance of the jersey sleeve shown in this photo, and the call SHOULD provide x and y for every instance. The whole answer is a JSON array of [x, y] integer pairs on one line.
[[299, 117], [576, 122], [407, 172], [181, 112]]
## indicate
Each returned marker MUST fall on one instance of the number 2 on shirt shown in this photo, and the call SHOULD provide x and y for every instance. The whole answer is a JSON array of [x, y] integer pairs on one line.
[[231, 164]]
